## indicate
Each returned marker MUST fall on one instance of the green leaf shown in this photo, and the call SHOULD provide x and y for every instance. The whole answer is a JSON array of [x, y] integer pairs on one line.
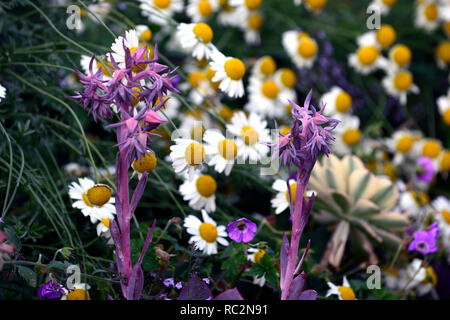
[[265, 267], [28, 275], [233, 257]]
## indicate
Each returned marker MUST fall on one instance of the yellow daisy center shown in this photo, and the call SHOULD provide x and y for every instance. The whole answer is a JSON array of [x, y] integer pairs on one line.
[[446, 215], [389, 3], [371, 165], [204, 32], [389, 170], [284, 130], [404, 144], [447, 27], [208, 232], [105, 222], [140, 67], [288, 78], [98, 195], [393, 271], [106, 71], [227, 149], [445, 161], [226, 113], [146, 35], [420, 198], [267, 66], [206, 185], [253, 4], [258, 255], [446, 117], [161, 4], [431, 12], [431, 149], [307, 48], [316, 4], [293, 192], [347, 293], [147, 163], [367, 55], [195, 78], [351, 137], [135, 97], [204, 8], [269, 89], [255, 21], [403, 80], [302, 35], [78, 294], [443, 51], [343, 101], [386, 35], [194, 154], [401, 55], [210, 73], [234, 68], [431, 275], [250, 135]]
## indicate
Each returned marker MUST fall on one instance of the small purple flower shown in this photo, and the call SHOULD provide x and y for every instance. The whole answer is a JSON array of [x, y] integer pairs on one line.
[[179, 285], [51, 290], [169, 282], [425, 169], [1, 220], [241, 230], [425, 240], [206, 280]]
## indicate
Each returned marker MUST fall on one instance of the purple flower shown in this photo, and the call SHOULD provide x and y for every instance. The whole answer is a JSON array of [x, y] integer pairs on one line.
[[241, 230], [169, 282], [51, 290], [1, 220], [179, 285], [310, 135], [425, 240], [425, 169]]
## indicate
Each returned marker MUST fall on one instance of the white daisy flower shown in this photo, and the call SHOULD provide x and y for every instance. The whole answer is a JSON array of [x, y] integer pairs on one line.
[[427, 15], [264, 67], [347, 134], [382, 38], [399, 83], [267, 97], [344, 292], [2, 92], [441, 205], [74, 169], [367, 59], [418, 277], [392, 278], [245, 7], [229, 71], [301, 48], [157, 11], [427, 147], [196, 37], [146, 164], [131, 39], [381, 6], [193, 125], [144, 33], [105, 65], [200, 192], [399, 58], [286, 78], [201, 10], [220, 151], [443, 54], [281, 200], [187, 155], [255, 255], [443, 103], [79, 292], [104, 231], [251, 135], [315, 6], [228, 15], [251, 27], [94, 200], [443, 161], [337, 101], [206, 234], [401, 144]]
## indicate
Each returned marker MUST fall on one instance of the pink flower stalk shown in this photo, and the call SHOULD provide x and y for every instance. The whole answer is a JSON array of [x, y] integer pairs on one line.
[[148, 85], [310, 136]]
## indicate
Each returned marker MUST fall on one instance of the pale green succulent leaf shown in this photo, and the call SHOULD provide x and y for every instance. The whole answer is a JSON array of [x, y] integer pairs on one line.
[[364, 208]]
